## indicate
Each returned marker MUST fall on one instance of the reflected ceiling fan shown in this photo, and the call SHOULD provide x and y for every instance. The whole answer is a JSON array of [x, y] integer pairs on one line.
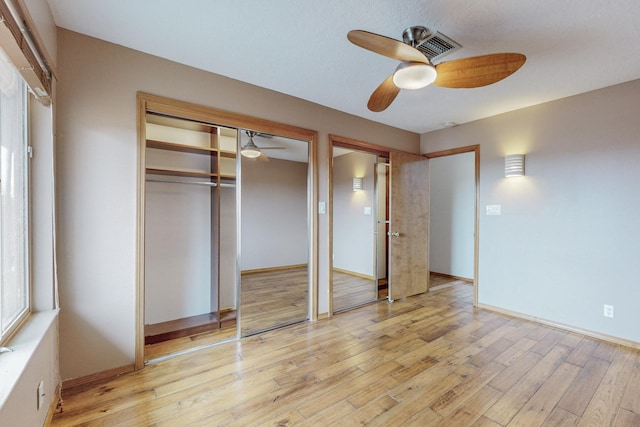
[[252, 151], [416, 70]]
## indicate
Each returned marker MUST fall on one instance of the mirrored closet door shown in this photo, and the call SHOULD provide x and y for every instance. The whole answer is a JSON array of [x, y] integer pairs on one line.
[[359, 223]]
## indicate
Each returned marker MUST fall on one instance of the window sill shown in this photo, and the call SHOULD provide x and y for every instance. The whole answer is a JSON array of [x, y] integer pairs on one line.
[[24, 345]]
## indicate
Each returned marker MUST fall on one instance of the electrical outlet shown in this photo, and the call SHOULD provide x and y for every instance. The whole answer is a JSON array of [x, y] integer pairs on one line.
[[40, 396], [608, 310]]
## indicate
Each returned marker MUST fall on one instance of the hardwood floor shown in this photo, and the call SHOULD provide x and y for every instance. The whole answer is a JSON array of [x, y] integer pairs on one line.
[[437, 281], [427, 360], [268, 299], [262, 308]]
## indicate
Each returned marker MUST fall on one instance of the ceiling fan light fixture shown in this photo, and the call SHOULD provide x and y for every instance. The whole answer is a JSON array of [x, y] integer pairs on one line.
[[414, 75], [250, 153], [250, 150]]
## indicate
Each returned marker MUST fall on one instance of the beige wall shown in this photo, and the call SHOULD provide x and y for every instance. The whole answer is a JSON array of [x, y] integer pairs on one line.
[[96, 161], [35, 355], [567, 240]]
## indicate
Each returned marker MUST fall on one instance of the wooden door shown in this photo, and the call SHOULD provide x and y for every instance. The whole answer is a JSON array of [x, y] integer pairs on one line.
[[409, 238]]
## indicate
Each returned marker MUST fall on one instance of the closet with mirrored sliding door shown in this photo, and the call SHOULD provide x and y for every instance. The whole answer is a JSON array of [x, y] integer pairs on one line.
[[226, 247]]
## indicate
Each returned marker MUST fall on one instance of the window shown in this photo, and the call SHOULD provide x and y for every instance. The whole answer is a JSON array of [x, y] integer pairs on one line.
[[14, 207]]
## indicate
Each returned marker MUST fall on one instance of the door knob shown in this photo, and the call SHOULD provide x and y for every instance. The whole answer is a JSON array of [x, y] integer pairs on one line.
[[394, 234]]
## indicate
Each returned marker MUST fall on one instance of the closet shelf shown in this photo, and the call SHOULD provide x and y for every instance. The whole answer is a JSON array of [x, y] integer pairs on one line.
[[228, 154], [181, 147], [173, 172]]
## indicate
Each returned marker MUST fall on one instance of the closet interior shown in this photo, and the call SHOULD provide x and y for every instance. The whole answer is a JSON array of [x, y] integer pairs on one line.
[[189, 229]]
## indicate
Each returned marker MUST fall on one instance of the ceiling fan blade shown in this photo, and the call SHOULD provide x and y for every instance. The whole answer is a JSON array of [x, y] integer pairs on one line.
[[263, 157], [478, 71], [383, 96], [386, 46]]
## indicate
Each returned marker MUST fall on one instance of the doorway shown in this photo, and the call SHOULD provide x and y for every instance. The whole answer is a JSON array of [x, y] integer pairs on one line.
[[455, 215], [376, 253]]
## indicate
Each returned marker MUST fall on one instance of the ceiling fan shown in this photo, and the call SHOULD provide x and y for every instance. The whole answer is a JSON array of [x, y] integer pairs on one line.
[[416, 71], [251, 150]]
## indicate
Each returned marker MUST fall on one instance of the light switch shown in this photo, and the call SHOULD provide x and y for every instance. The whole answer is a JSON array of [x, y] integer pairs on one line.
[[493, 210], [322, 207], [367, 210]]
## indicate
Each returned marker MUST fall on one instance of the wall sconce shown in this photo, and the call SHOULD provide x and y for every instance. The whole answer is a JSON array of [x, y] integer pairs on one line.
[[514, 165], [357, 184]]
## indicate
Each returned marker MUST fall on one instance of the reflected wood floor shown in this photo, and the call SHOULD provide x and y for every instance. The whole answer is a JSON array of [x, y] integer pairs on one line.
[[273, 298], [426, 360], [177, 345], [351, 291]]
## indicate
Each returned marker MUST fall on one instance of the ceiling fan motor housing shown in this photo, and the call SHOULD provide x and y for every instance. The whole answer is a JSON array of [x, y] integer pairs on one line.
[[413, 36], [433, 46]]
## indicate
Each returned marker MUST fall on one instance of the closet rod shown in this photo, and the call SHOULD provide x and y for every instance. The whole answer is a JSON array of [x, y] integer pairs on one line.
[[175, 181]]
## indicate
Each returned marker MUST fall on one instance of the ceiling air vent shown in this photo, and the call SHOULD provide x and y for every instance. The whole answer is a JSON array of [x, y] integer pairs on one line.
[[438, 45]]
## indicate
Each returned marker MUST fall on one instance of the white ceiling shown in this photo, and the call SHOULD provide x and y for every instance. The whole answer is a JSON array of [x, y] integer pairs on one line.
[[299, 47]]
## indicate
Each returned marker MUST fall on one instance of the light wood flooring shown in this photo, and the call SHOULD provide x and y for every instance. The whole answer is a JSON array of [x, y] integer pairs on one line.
[[427, 360], [269, 299], [438, 281]]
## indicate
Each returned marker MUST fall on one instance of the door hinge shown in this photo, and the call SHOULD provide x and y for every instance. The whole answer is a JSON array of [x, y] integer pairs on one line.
[[30, 151]]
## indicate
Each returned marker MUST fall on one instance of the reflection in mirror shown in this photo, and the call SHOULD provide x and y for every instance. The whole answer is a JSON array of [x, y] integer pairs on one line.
[[274, 289], [359, 260]]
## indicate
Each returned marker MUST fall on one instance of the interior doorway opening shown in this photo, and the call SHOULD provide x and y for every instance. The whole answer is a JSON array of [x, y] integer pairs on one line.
[[452, 198], [359, 223], [455, 178]]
